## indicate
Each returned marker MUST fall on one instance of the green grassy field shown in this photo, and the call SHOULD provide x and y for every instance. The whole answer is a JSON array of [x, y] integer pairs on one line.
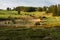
[[14, 13], [50, 21], [29, 34], [13, 33]]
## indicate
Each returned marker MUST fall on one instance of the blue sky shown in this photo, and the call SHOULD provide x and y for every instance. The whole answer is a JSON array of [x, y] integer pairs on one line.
[[35, 3]]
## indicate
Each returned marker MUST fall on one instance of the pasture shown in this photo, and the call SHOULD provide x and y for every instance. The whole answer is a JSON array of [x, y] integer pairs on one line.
[[29, 34], [47, 30], [50, 20]]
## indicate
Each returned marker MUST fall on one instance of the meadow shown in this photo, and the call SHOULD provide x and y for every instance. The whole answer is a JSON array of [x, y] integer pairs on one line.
[[48, 30], [29, 34], [50, 20]]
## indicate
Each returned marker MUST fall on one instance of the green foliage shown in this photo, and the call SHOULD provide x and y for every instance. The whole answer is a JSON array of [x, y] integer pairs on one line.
[[18, 9], [26, 9], [8, 9], [39, 9], [54, 9], [55, 13], [58, 10], [44, 8]]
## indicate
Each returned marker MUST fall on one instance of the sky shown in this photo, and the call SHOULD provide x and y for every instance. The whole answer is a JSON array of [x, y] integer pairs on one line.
[[35, 3]]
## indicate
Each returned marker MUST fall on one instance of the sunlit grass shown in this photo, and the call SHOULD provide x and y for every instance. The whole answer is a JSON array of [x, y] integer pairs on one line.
[[51, 20]]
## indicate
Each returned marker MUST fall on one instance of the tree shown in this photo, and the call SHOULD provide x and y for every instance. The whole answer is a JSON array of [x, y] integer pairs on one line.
[[28, 9], [25, 9], [44, 8], [18, 9], [58, 9], [55, 13], [39, 9], [53, 9], [8, 8]]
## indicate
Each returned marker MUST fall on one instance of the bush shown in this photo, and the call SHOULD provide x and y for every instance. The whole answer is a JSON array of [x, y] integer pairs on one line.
[[37, 23]]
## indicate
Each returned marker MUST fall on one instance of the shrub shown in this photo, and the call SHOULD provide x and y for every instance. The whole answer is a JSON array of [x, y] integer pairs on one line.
[[37, 23]]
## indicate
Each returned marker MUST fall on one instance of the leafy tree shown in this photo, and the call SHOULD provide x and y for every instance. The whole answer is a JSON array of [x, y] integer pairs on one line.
[[44, 8], [28, 9], [39, 9], [58, 9], [18, 9], [8, 9], [53, 9], [25, 9]]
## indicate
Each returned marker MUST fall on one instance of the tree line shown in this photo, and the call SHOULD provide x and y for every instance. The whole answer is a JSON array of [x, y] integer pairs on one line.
[[55, 9]]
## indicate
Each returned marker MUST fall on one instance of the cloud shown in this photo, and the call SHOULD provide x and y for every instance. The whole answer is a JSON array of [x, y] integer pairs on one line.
[[14, 3]]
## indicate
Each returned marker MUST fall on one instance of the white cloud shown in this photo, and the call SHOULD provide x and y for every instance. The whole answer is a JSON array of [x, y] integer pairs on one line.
[[14, 3]]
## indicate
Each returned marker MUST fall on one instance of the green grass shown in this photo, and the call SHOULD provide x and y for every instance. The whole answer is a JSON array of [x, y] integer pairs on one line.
[[14, 13], [50, 19], [29, 34], [13, 33], [8, 12]]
